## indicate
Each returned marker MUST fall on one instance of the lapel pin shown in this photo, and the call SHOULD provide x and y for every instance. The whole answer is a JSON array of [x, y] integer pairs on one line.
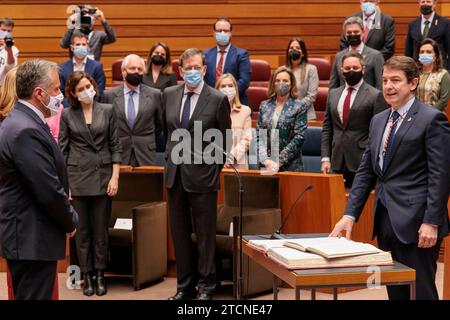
[[409, 119]]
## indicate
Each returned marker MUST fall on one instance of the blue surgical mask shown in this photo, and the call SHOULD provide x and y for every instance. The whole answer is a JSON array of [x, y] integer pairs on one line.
[[193, 77], [426, 58], [80, 52], [222, 38], [368, 8]]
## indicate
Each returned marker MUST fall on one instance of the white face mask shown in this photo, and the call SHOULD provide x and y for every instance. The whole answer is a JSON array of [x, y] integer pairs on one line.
[[230, 92], [87, 95], [54, 103]]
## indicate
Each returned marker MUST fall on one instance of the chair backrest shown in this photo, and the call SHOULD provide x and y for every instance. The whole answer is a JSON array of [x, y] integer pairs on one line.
[[175, 65], [136, 188], [320, 105], [323, 68], [117, 71], [260, 73], [259, 191], [311, 151], [255, 96]]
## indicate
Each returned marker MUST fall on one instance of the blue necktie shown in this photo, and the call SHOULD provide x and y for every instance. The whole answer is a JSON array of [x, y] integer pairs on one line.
[[186, 111], [390, 139], [131, 114]]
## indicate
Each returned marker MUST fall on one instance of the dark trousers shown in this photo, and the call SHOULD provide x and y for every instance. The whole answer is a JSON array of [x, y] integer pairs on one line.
[[422, 260], [133, 160], [32, 280], [349, 176], [195, 262], [91, 237]]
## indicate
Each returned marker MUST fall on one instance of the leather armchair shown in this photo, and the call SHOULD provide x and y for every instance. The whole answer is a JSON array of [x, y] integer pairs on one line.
[[140, 198], [261, 215]]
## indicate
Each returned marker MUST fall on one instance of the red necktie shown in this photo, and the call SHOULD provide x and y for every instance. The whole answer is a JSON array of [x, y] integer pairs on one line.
[[219, 68], [346, 109], [366, 30]]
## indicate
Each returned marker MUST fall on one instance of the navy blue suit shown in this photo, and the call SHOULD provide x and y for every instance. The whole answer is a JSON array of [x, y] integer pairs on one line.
[[439, 32], [237, 63], [92, 68], [35, 212], [412, 189]]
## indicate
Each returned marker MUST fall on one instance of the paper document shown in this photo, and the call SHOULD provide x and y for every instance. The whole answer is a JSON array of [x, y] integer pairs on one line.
[[123, 224]]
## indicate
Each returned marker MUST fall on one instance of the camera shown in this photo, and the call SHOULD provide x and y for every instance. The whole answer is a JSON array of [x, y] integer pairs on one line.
[[9, 41], [85, 16]]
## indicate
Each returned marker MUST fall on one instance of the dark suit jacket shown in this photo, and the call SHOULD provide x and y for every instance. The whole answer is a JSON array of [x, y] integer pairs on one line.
[[163, 81], [349, 141], [35, 212], [211, 112], [92, 68], [373, 61], [381, 35], [237, 63], [142, 138], [415, 180], [439, 32], [90, 153]]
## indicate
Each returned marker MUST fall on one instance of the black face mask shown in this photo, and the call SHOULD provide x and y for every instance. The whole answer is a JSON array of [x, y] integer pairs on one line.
[[158, 60], [426, 10], [294, 55], [354, 40], [134, 79], [353, 77]]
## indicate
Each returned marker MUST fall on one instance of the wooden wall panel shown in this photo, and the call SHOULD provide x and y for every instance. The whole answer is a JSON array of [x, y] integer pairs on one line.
[[263, 27]]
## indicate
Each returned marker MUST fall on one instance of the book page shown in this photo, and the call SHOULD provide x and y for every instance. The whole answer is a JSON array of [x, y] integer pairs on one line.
[[331, 247], [266, 244]]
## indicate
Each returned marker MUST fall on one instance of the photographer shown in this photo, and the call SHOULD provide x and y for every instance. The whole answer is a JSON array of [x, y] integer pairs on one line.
[[80, 20], [8, 52]]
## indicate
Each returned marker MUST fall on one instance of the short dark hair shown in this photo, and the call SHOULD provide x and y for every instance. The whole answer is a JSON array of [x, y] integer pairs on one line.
[[302, 44], [406, 64], [71, 84], [353, 54], [437, 65], [271, 90], [190, 53], [78, 34], [167, 67], [223, 19], [7, 22]]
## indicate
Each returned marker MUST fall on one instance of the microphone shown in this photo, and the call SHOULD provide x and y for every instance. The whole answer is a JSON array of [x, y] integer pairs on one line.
[[277, 234]]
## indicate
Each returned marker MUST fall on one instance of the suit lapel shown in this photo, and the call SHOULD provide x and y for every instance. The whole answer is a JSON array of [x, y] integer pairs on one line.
[[80, 122], [211, 63], [434, 26], [379, 138], [89, 66], [334, 103], [142, 108], [360, 95], [179, 101], [376, 23], [230, 57], [119, 100], [407, 122], [36, 118], [201, 103], [97, 122]]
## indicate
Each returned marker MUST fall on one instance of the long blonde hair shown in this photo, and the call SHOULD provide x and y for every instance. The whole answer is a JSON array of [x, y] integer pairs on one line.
[[8, 96], [236, 103]]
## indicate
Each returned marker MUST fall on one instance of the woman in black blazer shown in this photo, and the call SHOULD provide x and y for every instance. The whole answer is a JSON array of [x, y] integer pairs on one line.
[[159, 73], [89, 140]]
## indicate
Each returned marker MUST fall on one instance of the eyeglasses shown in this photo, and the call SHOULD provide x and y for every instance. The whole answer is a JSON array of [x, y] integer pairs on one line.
[[222, 30], [197, 68]]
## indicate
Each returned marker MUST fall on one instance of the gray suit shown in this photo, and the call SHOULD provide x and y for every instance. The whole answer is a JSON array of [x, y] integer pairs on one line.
[[373, 61], [348, 142], [141, 139]]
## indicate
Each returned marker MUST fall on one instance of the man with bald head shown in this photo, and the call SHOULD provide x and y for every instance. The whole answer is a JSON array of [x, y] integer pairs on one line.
[[137, 108]]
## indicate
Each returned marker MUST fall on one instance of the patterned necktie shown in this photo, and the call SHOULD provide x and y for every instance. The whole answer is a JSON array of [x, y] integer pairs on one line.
[[366, 29], [426, 29], [131, 114], [186, 111], [219, 68], [346, 108], [390, 140]]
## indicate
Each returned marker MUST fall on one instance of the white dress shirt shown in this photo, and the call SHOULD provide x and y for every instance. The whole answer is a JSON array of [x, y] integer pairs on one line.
[[368, 21], [423, 22], [126, 94], [194, 98], [224, 55], [79, 67], [359, 48]]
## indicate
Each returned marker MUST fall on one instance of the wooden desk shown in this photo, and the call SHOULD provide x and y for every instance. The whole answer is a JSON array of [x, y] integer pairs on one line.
[[332, 277]]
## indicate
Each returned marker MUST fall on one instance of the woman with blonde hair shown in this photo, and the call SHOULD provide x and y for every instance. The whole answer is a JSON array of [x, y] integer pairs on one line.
[[8, 97], [241, 122]]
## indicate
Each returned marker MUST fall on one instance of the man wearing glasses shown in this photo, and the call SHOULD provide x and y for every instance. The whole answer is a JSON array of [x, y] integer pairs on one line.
[[226, 58]]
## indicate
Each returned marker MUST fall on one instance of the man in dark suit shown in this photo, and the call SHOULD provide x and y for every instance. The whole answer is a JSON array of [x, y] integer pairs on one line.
[[35, 212], [227, 58], [379, 29], [373, 59], [192, 181], [429, 25], [350, 109], [407, 161], [80, 62], [138, 112]]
